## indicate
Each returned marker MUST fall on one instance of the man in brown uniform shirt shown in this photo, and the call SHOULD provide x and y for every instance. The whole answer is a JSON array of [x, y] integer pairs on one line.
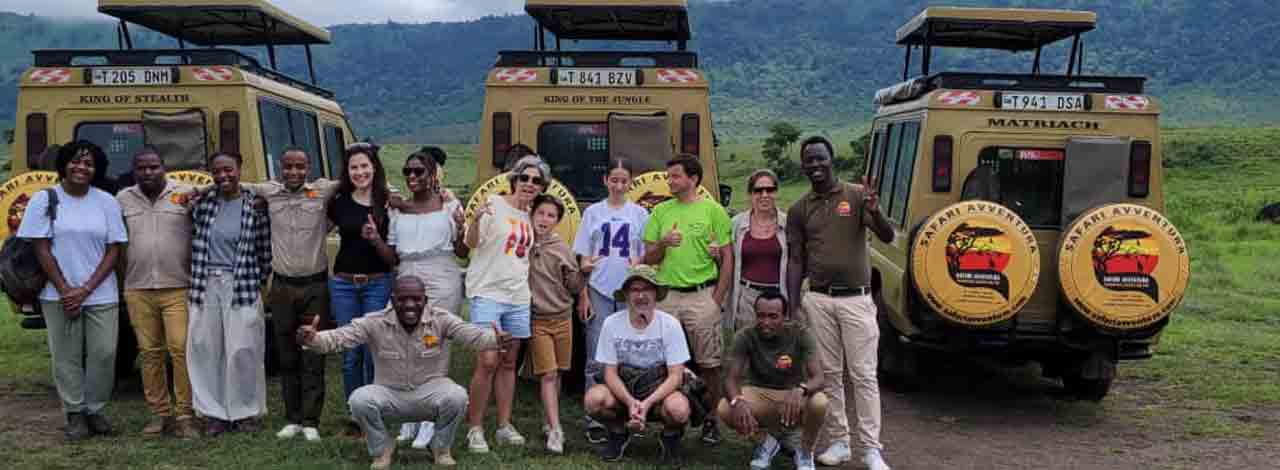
[[826, 231], [157, 275]]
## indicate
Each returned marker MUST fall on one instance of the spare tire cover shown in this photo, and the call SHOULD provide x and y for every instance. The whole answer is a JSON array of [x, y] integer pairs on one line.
[[1123, 267], [976, 263], [651, 189], [499, 185], [16, 193]]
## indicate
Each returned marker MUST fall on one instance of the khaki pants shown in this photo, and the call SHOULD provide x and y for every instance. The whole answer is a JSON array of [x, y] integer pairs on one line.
[[847, 335], [440, 400], [766, 407], [83, 352], [551, 347], [159, 318], [700, 317]]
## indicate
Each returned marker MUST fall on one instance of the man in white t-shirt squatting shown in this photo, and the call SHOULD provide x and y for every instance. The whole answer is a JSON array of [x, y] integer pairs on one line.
[[640, 337]]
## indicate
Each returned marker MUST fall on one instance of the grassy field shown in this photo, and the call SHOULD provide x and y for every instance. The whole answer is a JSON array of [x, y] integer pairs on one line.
[[1218, 361]]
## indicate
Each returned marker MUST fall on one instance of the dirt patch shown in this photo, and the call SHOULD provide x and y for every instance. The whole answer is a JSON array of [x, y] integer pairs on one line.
[[32, 415]]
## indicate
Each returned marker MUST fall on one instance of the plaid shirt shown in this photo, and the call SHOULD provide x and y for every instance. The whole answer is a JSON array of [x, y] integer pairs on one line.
[[253, 253]]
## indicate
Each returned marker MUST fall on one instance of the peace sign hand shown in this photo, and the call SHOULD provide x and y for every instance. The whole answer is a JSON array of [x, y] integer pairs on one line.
[[871, 201]]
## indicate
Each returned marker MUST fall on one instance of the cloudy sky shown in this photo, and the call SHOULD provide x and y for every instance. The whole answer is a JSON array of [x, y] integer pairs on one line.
[[323, 12]]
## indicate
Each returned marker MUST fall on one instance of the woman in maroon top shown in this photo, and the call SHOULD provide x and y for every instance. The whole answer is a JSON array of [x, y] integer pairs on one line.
[[759, 250]]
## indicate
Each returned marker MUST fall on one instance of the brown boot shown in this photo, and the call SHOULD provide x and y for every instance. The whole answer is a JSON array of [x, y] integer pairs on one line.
[[383, 462], [155, 426], [185, 428]]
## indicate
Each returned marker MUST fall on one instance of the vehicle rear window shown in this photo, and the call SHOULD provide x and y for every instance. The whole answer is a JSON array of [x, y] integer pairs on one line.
[[284, 127], [578, 153], [120, 140], [1028, 181]]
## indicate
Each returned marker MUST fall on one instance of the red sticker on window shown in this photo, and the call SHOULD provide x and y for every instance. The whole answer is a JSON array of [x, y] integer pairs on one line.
[[1040, 155]]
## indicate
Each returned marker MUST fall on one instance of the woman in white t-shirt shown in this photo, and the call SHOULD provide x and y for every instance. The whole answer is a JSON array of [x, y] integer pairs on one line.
[[500, 237], [611, 235], [77, 250]]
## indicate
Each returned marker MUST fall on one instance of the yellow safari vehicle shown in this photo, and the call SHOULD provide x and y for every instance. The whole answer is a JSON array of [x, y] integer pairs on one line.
[[1028, 206], [186, 102], [579, 108]]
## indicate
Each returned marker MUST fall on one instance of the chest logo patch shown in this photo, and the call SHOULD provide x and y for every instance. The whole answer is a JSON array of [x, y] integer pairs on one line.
[[844, 209], [179, 198], [783, 362], [430, 341], [312, 194]]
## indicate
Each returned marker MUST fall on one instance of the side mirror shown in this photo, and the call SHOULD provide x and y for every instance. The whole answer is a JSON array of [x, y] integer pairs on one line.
[[726, 195]]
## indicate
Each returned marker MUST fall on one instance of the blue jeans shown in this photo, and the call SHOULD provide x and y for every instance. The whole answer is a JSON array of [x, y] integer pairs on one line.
[[350, 301]]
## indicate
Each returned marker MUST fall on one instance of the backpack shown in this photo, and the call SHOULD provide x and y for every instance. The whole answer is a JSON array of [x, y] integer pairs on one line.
[[21, 276]]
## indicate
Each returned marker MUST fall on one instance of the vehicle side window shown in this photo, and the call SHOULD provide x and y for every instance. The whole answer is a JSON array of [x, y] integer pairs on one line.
[[873, 154], [906, 168], [284, 127], [333, 146], [890, 165]]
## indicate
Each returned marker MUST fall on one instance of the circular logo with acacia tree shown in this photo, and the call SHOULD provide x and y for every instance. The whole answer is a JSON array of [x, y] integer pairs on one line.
[[499, 185], [976, 263], [16, 193], [651, 189]]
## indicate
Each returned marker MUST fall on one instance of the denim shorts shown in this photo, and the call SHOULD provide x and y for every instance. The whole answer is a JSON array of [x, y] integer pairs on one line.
[[512, 318]]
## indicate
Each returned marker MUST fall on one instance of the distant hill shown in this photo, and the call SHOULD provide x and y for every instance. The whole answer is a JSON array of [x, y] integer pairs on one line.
[[813, 62]]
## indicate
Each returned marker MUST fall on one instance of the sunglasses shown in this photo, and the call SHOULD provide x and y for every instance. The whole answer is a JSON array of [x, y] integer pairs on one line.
[[414, 171], [523, 178], [764, 189]]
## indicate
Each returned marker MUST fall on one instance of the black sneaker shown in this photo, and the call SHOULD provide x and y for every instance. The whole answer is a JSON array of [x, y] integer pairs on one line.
[[597, 435], [99, 425], [616, 445], [77, 427], [710, 432], [671, 453]]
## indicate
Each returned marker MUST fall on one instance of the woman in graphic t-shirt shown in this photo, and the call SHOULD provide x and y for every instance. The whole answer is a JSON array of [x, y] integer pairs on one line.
[[497, 283], [361, 281], [611, 235]]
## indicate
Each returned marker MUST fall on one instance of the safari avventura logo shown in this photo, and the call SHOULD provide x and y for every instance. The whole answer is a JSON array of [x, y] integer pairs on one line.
[[1122, 262], [651, 189], [978, 255]]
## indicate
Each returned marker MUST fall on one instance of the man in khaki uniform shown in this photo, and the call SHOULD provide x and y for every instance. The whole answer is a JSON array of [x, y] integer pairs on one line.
[[299, 288], [827, 232], [411, 367], [157, 274]]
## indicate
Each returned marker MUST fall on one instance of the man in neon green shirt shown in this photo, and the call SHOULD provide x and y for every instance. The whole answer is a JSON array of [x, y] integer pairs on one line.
[[689, 239]]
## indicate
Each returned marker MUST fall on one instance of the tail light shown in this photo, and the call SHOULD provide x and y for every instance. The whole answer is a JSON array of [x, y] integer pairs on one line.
[[501, 138], [942, 151], [1140, 169], [690, 136], [229, 132], [37, 138]]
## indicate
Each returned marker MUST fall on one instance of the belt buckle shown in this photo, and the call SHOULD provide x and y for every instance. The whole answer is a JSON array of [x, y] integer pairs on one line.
[[360, 279]]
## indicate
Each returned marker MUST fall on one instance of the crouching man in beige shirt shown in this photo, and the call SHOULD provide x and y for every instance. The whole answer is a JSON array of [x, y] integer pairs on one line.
[[411, 367]]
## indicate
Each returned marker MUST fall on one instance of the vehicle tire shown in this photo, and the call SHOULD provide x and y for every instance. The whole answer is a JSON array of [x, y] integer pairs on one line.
[[1087, 389]]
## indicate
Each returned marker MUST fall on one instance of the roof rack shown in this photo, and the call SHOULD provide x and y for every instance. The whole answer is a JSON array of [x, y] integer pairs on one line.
[[645, 20], [145, 57], [920, 86], [218, 22], [1009, 29], [664, 59]]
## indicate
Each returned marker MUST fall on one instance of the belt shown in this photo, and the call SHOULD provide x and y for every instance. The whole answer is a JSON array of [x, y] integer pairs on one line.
[[693, 288], [842, 291], [758, 286], [321, 276], [359, 278]]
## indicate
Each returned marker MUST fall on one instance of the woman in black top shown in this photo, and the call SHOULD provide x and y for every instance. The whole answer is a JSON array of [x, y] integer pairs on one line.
[[361, 281]]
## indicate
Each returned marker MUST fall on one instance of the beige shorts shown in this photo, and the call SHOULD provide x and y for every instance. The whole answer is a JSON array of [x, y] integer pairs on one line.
[[551, 346], [700, 316]]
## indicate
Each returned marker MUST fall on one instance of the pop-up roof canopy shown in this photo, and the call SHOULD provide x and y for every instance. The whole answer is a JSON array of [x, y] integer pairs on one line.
[[645, 20], [218, 22], [994, 28]]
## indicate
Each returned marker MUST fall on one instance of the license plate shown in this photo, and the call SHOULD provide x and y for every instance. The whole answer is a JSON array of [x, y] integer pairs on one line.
[[1042, 102], [596, 77], [133, 76]]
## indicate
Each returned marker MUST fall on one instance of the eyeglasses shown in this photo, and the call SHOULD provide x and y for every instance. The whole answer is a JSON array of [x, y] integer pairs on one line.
[[414, 171], [538, 180], [764, 189]]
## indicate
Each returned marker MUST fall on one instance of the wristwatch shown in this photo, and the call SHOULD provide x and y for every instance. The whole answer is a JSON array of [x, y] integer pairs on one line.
[[734, 402]]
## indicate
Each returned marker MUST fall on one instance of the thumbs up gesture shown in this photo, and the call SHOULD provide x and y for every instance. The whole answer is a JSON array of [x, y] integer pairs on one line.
[[673, 238], [713, 247], [307, 333], [370, 230], [504, 339]]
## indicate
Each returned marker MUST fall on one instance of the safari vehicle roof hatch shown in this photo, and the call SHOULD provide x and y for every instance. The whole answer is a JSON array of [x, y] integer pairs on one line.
[[642, 20], [994, 28], [218, 22]]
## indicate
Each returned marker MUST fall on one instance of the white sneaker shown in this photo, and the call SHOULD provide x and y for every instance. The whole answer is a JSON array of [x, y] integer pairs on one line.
[[804, 459], [508, 436], [407, 431], [763, 455], [475, 441], [874, 461], [837, 454], [555, 441], [289, 432], [311, 434], [426, 430]]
